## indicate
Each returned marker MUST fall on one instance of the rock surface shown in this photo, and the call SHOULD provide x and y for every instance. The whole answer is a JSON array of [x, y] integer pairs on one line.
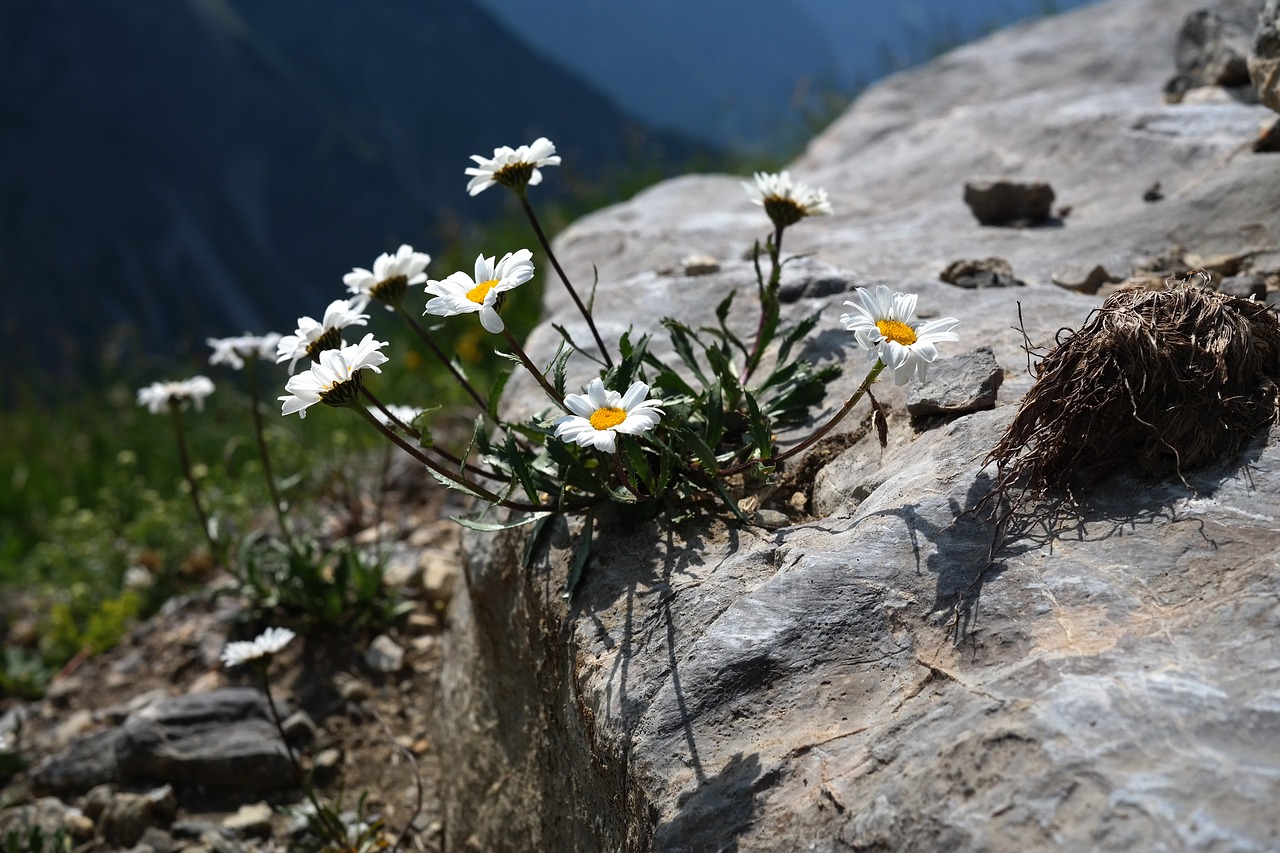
[[865, 677], [1264, 60]]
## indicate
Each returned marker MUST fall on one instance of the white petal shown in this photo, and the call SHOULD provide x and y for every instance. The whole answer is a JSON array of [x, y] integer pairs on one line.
[[490, 319]]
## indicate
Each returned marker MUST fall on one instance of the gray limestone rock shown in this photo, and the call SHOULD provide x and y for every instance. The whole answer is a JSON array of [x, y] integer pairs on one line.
[[964, 383], [222, 740], [1004, 202], [869, 678], [1264, 59], [1211, 50]]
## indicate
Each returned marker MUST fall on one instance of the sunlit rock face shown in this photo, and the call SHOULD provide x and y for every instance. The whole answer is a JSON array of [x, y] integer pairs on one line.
[[886, 670]]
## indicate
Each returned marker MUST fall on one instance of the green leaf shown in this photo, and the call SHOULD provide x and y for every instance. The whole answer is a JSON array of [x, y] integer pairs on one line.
[[558, 367], [540, 528], [715, 416], [680, 335], [446, 482], [495, 392], [698, 447], [581, 555], [718, 486], [759, 428], [493, 526], [795, 333], [639, 466], [476, 432], [520, 467]]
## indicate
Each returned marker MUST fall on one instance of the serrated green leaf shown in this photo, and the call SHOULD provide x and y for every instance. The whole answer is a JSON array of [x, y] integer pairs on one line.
[[494, 526], [520, 467], [447, 483]]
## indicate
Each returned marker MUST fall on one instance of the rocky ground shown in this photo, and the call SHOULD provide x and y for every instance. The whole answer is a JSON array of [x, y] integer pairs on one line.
[[156, 747]]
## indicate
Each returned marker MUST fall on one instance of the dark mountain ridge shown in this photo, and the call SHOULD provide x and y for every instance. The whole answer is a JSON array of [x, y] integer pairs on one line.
[[209, 166]]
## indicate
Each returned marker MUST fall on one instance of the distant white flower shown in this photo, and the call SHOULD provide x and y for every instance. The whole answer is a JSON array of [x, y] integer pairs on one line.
[[314, 337], [462, 294], [334, 379], [786, 201], [268, 643], [515, 168], [158, 395], [404, 414], [391, 276], [599, 415], [233, 351], [885, 325]]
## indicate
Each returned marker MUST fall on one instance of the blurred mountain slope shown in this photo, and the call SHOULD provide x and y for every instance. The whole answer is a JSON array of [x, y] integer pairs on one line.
[[210, 166]]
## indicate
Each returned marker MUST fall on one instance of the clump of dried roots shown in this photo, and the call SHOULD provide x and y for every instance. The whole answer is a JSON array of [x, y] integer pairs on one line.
[[1158, 381]]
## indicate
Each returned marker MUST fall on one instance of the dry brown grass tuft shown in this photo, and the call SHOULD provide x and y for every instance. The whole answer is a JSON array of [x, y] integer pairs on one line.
[[1158, 381]]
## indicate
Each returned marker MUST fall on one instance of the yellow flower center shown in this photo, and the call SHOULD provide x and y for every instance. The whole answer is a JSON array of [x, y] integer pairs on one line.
[[481, 290], [897, 331], [607, 418]]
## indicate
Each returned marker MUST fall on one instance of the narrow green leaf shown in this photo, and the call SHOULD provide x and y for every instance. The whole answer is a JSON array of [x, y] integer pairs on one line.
[[540, 528], [495, 392], [759, 427], [715, 416], [446, 482], [581, 555], [681, 336], [493, 526]]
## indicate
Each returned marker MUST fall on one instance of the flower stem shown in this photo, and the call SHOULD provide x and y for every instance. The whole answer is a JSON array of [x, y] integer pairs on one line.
[[254, 399], [185, 458], [872, 376], [769, 309], [451, 476], [444, 359], [537, 374], [336, 833], [546, 247], [439, 451]]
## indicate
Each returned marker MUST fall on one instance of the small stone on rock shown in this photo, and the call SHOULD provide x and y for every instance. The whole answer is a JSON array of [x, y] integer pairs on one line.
[[1082, 278], [980, 272], [1245, 286], [384, 655], [1001, 202], [771, 519], [350, 688], [964, 383], [251, 821], [699, 265]]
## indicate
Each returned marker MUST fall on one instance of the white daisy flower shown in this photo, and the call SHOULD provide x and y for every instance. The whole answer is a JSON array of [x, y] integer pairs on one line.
[[885, 325], [786, 201], [599, 415], [462, 294], [233, 351], [391, 276], [514, 168], [158, 395], [268, 643], [314, 337], [334, 379]]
